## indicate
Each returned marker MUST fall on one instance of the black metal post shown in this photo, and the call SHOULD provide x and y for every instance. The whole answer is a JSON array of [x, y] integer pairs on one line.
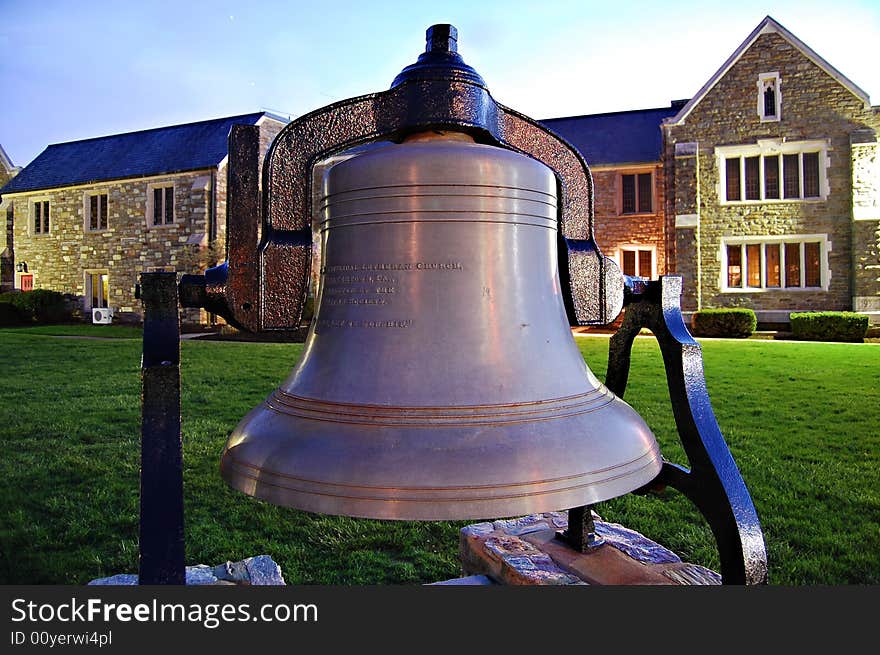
[[162, 559], [713, 483], [581, 532]]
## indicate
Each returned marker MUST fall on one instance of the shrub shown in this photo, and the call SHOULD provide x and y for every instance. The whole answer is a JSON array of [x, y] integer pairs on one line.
[[736, 322], [829, 326], [39, 305], [10, 314]]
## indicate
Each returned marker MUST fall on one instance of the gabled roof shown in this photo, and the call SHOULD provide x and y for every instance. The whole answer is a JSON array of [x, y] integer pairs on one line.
[[157, 151], [5, 161], [623, 137], [768, 26]]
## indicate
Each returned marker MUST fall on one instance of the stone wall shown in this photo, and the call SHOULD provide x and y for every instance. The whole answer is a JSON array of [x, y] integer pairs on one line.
[[814, 106], [7, 250], [866, 222], [129, 245]]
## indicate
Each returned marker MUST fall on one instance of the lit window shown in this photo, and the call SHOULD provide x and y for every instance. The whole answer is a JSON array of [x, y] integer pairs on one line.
[[96, 211], [160, 205], [789, 171], [40, 212], [769, 97], [637, 262], [97, 290], [774, 263], [637, 193]]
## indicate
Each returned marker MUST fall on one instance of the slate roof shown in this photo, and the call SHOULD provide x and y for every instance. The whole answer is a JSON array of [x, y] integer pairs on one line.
[[157, 151], [622, 137]]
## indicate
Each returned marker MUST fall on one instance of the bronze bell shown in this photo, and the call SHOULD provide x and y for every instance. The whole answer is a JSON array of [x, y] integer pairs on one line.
[[440, 378]]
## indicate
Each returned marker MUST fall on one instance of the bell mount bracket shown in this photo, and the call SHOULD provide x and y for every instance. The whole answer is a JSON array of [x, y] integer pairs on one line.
[[713, 483], [263, 283]]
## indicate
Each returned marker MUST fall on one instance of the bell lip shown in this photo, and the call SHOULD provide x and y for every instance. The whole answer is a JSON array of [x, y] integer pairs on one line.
[[528, 501]]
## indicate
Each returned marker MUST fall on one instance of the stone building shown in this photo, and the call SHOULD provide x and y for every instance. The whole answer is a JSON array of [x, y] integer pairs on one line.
[[7, 256], [773, 185], [89, 216], [625, 155]]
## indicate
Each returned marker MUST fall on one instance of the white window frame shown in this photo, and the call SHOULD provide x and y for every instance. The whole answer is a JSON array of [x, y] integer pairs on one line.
[[19, 275], [635, 247], [32, 212], [636, 172], [765, 80], [801, 239], [766, 148], [149, 213], [87, 286], [87, 210]]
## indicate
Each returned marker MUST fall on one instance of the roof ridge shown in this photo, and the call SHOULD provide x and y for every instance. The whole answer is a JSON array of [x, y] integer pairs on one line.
[[156, 129], [611, 113]]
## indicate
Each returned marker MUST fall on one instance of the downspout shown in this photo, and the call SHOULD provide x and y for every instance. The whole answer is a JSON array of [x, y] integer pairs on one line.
[[697, 232], [212, 209], [212, 228]]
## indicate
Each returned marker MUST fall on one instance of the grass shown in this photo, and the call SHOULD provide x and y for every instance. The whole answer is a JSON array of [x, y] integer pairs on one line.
[[800, 418], [79, 330]]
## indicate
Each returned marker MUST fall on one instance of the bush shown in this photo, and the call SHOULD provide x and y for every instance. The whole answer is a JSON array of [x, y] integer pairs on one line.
[[10, 314], [39, 305], [737, 322], [829, 326]]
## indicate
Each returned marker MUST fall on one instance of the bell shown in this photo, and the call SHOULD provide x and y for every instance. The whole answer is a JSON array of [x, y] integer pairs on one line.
[[440, 378]]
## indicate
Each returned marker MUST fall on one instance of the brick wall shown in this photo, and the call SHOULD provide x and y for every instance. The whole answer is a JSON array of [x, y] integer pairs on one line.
[[614, 229], [815, 106]]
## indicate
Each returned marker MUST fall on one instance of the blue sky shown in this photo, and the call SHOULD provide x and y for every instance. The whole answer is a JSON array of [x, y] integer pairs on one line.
[[73, 70]]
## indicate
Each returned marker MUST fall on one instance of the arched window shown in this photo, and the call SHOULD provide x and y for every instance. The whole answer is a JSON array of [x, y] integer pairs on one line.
[[769, 98]]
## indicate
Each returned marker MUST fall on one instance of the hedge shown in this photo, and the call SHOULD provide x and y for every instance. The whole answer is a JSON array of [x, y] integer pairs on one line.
[[736, 322], [11, 315], [39, 305], [829, 326]]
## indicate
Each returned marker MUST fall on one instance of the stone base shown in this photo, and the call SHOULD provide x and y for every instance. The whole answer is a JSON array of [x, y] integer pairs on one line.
[[259, 570], [526, 551]]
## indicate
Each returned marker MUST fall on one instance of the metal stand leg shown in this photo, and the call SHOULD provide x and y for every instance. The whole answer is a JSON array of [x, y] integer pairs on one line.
[[581, 532], [713, 483], [162, 559]]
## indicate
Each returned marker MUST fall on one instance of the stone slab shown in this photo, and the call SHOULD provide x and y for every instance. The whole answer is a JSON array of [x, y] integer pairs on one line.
[[527, 550], [261, 570]]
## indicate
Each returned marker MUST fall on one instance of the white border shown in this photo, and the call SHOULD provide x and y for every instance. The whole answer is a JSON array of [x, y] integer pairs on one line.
[[769, 148], [87, 210], [148, 214], [824, 268]]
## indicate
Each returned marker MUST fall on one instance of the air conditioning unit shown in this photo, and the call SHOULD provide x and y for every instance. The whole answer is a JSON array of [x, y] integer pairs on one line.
[[102, 315]]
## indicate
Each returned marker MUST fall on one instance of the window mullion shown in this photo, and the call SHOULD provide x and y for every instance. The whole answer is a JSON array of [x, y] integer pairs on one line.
[[742, 178], [803, 270], [763, 264], [761, 190], [801, 178], [782, 266]]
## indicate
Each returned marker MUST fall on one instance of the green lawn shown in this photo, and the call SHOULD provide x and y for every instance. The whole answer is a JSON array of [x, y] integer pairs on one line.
[[79, 330], [801, 420]]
